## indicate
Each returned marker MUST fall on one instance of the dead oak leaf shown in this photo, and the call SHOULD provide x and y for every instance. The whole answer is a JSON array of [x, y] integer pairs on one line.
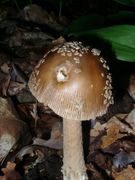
[[10, 166], [96, 130], [113, 133], [126, 174], [10, 173], [130, 119]]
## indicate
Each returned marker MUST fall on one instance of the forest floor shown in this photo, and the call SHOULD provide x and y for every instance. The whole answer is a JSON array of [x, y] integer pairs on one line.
[[31, 133]]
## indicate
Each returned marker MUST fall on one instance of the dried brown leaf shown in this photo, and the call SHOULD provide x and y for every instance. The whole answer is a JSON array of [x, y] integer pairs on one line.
[[126, 174], [115, 129], [113, 133], [10, 166], [56, 140], [131, 119], [15, 87], [95, 174], [5, 84], [96, 130], [10, 173], [5, 68], [12, 128]]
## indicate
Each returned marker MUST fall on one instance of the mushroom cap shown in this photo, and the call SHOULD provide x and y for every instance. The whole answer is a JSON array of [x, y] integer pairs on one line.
[[73, 80]]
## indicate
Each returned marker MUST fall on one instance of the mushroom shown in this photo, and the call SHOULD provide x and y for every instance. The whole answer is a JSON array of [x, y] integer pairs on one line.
[[73, 80]]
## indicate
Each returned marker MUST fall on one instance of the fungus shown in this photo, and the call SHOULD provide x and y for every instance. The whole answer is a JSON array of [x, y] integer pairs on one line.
[[77, 87]]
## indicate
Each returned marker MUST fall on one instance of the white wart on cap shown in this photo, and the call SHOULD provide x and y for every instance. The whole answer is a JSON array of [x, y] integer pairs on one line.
[[73, 80]]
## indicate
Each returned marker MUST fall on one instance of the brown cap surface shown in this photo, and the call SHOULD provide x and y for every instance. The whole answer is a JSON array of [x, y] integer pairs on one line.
[[73, 81]]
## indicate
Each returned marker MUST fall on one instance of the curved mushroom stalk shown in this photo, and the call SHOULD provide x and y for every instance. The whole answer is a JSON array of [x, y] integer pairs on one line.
[[73, 162]]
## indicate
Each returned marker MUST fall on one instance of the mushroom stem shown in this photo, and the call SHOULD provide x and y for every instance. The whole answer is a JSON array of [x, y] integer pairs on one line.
[[73, 162]]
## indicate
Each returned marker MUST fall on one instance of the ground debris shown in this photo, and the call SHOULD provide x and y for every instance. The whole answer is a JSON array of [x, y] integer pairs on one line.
[[31, 137], [125, 174]]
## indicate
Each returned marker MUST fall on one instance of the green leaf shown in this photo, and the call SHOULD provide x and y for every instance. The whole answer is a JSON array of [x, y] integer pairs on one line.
[[121, 38], [130, 3], [85, 23]]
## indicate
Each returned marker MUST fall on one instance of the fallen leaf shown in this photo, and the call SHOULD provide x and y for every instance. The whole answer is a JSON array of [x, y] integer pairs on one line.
[[94, 173], [32, 155], [56, 140], [130, 119], [35, 14], [5, 68], [12, 129], [122, 159], [113, 131], [96, 130], [5, 84], [103, 161], [34, 114], [15, 87], [126, 174], [10, 173], [10, 166], [18, 75]]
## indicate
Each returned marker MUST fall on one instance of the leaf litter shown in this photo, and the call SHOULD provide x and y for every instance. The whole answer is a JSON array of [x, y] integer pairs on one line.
[[35, 138]]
